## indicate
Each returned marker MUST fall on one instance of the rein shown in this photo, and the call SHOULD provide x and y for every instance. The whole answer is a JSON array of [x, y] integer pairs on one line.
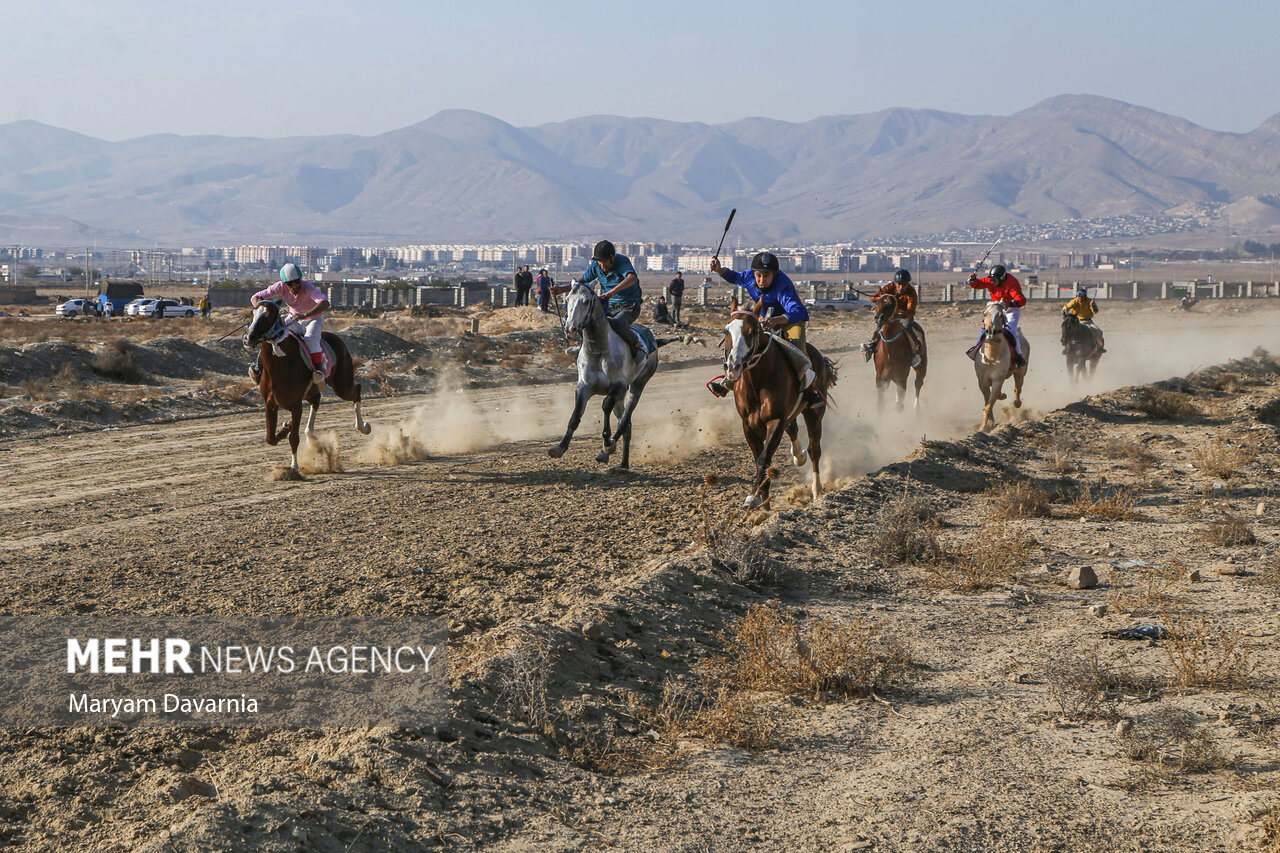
[[754, 357]]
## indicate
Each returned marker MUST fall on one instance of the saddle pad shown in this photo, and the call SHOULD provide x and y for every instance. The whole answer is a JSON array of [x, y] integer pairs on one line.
[[326, 352], [646, 337]]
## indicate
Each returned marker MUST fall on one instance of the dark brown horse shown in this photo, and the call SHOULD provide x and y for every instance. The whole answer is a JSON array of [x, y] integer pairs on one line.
[[1082, 344], [768, 396], [893, 352], [286, 378]]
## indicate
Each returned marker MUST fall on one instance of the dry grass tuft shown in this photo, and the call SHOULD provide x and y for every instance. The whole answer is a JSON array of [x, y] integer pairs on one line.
[[1204, 655], [1172, 739], [1133, 454], [1018, 499], [1229, 531], [1084, 687], [1221, 459], [117, 362], [523, 673], [770, 651], [1143, 590], [1167, 405], [1115, 503], [284, 474], [994, 557], [906, 531], [240, 391]]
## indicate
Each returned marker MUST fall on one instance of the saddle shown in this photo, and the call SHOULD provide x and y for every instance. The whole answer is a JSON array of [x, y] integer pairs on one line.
[[326, 351], [646, 338]]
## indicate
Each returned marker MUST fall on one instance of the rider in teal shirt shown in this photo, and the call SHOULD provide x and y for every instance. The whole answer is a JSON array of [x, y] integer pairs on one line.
[[619, 284]]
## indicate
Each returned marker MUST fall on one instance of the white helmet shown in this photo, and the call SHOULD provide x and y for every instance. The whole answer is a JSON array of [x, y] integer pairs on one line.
[[290, 272]]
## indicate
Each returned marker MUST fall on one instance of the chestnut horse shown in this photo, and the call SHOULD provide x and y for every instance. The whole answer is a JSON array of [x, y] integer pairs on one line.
[[286, 375], [768, 396], [893, 352], [993, 364]]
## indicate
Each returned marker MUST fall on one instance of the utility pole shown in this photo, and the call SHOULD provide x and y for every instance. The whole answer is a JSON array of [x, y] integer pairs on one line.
[[88, 273]]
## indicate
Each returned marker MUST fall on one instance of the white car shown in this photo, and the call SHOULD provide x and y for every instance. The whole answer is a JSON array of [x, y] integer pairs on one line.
[[131, 308], [77, 308], [172, 308]]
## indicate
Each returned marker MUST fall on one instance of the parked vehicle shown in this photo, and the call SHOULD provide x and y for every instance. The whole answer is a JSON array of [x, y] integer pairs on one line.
[[131, 309], [119, 293], [172, 308], [78, 308]]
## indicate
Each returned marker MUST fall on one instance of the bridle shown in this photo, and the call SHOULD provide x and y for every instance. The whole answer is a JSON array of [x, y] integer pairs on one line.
[[757, 352], [273, 332], [592, 315], [887, 316]]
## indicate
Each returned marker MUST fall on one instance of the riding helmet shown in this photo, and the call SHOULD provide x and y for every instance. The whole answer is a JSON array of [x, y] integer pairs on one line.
[[902, 277], [766, 261], [1082, 292], [290, 272], [998, 272], [604, 251]]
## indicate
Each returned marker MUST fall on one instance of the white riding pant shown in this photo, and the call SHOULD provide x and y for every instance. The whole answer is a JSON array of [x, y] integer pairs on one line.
[[311, 330], [1011, 316]]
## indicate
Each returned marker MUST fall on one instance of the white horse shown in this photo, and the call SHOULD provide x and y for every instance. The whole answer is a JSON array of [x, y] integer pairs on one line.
[[608, 367], [994, 364]]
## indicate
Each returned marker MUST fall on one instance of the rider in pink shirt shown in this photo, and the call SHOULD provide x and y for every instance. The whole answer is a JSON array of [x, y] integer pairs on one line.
[[306, 304]]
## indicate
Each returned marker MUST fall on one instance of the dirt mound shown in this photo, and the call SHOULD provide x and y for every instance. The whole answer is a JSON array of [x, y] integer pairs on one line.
[[42, 360], [179, 358], [516, 319], [367, 341]]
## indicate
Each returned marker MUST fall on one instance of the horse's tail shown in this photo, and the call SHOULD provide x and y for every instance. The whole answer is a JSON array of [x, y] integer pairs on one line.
[[831, 371], [680, 339]]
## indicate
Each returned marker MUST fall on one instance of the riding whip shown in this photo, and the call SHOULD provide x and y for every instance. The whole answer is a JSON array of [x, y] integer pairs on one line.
[[726, 232], [233, 331], [980, 264]]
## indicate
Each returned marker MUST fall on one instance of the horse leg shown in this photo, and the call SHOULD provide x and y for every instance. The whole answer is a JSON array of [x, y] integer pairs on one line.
[[273, 437], [772, 438], [880, 386], [580, 397], [1018, 376], [295, 418], [988, 410], [900, 391], [626, 447], [344, 384], [920, 371], [797, 455], [813, 425], [628, 409], [617, 392]]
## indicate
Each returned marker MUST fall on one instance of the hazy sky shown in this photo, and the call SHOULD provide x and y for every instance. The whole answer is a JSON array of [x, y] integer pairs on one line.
[[275, 68]]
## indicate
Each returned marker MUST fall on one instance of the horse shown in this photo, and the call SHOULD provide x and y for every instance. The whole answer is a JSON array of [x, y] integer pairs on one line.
[[893, 354], [286, 375], [768, 397], [606, 366], [1083, 344], [994, 364]]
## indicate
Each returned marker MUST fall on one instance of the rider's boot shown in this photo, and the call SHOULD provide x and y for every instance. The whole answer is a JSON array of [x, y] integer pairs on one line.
[[1018, 360], [317, 371], [813, 397], [255, 369], [718, 388], [572, 351], [869, 349], [972, 351]]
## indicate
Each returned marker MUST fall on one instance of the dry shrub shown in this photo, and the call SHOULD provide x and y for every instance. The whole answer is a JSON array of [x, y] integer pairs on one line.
[[116, 361], [746, 558], [1167, 405], [517, 348], [906, 531], [523, 673], [1143, 590], [66, 385], [1172, 738], [239, 391], [1229, 531], [1018, 499], [1203, 654], [993, 557], [1063, 461], [768, 650], [1133, 454], [740, 718], [1084, 687], [1270, 825], [378, 372], [1222, 459], [1268, 571], [1116, 503]]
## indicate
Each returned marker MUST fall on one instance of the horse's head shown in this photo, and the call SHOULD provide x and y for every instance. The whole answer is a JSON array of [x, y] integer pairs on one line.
[[886, 307], [1070, 320], [993, 319], [741, 339], [582, 307], [264, 324]]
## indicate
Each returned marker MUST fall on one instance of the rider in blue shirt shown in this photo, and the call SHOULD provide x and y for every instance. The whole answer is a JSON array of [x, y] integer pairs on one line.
[[619, 284], [789, 318]]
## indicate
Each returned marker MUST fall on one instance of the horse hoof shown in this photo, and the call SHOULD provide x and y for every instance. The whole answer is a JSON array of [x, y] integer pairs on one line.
[[1017, 404], [602, 456], [365, 429], [1003, 397], [556, 452], [751, 502], [802, 458]]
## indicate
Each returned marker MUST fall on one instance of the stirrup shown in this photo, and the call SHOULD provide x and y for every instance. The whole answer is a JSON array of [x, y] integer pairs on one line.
[[915, 359], [814, 398], [972, 352], [717, 388], [255, 373], [318, 378], [573, 351]]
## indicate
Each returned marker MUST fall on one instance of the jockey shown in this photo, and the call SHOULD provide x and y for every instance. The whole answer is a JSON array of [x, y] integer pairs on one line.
[[620, 285], [901, 289], [774, 289], [1084, 308], [306, 304], [1003, 288]]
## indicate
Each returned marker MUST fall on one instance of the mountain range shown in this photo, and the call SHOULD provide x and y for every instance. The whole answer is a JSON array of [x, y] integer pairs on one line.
[[465, 176]]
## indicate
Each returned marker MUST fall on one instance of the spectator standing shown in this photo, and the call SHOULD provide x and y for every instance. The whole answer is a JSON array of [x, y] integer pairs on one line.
[[544, 291], [675, 290], [205, 306], [158, 314]]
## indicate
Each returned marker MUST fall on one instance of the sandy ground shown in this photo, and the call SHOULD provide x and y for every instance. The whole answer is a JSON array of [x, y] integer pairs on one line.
[[603, 586]]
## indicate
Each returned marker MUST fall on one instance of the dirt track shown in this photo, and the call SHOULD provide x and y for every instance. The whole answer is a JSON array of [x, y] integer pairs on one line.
[[487, 530]]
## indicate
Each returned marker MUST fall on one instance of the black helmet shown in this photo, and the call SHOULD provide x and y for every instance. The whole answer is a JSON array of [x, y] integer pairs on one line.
[[603, 251], [902, 277], [766, 261], [998, 272]]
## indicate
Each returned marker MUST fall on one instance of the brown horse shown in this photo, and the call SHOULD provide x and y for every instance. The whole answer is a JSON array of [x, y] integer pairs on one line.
[[286, 377], [893, 352], [768, 396]]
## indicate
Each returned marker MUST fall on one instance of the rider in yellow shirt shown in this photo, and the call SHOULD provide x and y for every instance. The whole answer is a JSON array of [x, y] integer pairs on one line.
[[1084, 308]]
